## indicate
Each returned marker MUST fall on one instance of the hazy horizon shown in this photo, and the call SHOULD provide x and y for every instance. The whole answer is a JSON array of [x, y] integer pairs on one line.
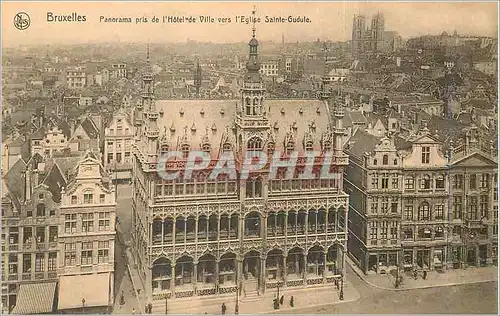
[[329, 21]]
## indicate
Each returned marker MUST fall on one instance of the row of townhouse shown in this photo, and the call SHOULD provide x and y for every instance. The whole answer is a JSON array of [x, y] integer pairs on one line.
[[58, 234], [415, 206]]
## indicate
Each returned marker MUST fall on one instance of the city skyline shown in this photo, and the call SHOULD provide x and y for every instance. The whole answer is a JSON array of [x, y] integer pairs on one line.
[[408, 19]]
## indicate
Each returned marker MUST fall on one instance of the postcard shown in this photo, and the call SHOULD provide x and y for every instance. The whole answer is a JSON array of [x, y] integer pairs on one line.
[[249, 158]]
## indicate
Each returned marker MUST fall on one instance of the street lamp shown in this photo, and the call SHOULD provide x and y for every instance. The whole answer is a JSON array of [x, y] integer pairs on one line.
[[166, 304], [83, 306], [237, 307], [341, 296]]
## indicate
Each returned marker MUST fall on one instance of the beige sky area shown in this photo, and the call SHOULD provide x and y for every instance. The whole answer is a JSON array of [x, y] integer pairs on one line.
[[329, 20]]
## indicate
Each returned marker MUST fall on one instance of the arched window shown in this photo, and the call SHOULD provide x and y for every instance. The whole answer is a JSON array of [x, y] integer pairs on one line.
[[164, 149], [248, 107], [185, 150], [270, 148], [40, 209], [254, 144], [385, 160], [290, 147], [440, 182], [374, 162], [226, 147], [309, 145], [424, 213], [205, 147], [426, 182], [395, 161], [327, 146]]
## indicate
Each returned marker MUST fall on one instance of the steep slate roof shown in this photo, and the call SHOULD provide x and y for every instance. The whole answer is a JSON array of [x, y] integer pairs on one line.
[[90, 128], [55, 181], [15, 183], [39, 134], [220, 114], [362, 142]]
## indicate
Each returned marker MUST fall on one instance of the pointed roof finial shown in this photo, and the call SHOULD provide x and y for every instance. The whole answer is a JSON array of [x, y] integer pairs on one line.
[[253, 22], [147, 56]]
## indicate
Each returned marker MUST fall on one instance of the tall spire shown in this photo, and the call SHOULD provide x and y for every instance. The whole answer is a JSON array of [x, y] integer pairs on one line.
[[147, 57], [253, 22]]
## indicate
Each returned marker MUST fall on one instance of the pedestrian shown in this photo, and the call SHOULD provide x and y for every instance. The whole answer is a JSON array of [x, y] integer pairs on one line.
[[150, 308], [223, 308], [291, 301], [424, 275], [133, 311], [282, 299], [415, 274]]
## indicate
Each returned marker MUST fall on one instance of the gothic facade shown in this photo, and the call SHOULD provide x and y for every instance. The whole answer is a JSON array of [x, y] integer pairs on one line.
[[202, 236]]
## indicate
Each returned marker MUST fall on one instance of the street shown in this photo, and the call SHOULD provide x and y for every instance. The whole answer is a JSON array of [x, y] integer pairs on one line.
[[479, 298]]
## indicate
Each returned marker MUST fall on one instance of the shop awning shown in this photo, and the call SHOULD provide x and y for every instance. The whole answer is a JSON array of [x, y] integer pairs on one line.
[[93, 288], [35, 298]]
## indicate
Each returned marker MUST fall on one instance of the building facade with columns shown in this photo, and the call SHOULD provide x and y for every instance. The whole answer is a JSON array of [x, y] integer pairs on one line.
[[212, 236]]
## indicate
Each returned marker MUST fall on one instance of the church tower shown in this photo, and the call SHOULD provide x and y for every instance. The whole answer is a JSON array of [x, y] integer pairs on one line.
[[252, 121], [325, 82], [197, 78], [150, 114]]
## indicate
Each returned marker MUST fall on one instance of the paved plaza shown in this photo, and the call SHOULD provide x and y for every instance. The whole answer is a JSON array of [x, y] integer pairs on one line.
[[471, 290]]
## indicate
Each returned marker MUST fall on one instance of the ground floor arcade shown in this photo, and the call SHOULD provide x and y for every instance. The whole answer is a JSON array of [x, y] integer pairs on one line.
[[254, 271]]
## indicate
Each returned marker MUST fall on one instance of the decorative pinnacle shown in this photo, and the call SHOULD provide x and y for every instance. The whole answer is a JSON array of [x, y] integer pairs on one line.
[[147, 56], [253, 22]]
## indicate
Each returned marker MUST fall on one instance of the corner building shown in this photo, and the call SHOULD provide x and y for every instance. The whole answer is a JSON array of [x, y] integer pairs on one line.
[[197, 237]]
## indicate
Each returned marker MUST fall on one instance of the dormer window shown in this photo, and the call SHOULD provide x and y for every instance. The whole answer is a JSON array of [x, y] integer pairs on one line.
[[226, 147], [309, 145], [205, 148], [164, 149], [290, 147], [327, 146], [185, 150], [270, 148]]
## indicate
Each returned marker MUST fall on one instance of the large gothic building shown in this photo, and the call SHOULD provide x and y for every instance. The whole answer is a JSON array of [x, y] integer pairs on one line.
[[203, 236]]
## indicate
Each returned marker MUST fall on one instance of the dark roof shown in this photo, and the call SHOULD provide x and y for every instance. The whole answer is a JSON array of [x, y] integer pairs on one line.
[[445, 129], [362, 142], [55, 181], [400, 143], [65, 128], [15, 182], [90, 128], [39, 134]]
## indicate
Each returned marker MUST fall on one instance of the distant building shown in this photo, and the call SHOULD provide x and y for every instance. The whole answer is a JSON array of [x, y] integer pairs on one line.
[[76, 77], [118, 141]]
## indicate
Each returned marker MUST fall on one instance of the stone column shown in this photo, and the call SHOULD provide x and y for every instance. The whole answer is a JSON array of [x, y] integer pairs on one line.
[[149, 284], [285, 270], [216, 276], [262, 276], [324, 267], [172, 285], [194, 276], [162, 231], [185, 230], [304, 273]]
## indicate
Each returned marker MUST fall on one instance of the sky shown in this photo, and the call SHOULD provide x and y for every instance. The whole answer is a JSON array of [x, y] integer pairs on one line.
[[329, 21]]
